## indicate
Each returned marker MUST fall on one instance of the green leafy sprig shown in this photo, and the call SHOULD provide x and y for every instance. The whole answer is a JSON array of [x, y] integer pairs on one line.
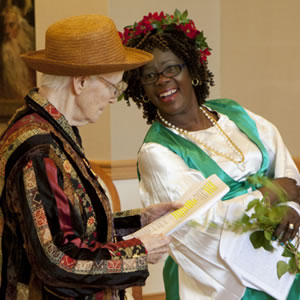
[[262, 218]]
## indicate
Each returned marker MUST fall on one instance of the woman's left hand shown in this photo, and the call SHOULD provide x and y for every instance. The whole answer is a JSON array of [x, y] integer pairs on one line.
[[289, 226]]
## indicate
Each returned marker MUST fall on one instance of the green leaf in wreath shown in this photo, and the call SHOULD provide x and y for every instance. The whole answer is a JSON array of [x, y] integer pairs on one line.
[[282, 268]]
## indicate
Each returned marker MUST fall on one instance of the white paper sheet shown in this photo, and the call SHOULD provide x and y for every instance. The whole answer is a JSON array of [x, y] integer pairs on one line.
[[256, 268], [197, 200]]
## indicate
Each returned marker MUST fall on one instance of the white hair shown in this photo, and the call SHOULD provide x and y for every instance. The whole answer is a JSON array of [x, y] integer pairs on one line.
[[55, 82]]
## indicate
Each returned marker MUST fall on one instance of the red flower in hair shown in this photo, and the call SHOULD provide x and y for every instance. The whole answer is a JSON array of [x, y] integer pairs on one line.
[[203, 54], [162, 22], [126, 35], [143, 27], [189, 29], [155, 17]]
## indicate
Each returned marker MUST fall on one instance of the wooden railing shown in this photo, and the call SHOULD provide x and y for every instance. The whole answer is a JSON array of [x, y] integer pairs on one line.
[[126, 169], [118, 169]]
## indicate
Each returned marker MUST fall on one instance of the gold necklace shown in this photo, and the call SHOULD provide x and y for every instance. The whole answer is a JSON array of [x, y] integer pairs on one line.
[[228, 140]]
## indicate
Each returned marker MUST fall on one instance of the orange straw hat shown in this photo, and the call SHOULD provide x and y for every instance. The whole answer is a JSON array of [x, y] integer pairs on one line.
[[84, 45]]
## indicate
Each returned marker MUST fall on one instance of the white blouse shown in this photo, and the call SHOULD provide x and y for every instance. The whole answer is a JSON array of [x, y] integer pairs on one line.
[[165, 177]]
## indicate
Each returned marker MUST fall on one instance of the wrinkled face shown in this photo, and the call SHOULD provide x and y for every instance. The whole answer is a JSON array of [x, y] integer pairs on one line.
[[170, 95], [95, 96], [11, 26]]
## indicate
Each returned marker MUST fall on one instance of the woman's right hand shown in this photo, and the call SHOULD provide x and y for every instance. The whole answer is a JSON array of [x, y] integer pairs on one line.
[[157, 246], [289, 185]]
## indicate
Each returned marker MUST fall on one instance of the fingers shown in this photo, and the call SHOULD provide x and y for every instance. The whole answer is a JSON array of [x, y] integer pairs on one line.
[[175, 205], [157, 246], [166, 207], [290, 187], [286, 232], [289, 227], [155, 211]]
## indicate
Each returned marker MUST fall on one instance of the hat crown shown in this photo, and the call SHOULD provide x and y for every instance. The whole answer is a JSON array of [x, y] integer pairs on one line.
[[82, 46], [88, 39]]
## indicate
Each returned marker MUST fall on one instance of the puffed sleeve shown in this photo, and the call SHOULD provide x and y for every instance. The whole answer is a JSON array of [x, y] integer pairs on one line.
[[64, 232]]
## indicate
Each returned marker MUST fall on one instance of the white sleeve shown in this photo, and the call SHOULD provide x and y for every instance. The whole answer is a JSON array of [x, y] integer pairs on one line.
[[281, 161], [165, 177]]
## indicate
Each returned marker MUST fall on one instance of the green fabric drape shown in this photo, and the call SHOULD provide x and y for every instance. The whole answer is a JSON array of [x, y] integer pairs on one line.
[[197, 159]]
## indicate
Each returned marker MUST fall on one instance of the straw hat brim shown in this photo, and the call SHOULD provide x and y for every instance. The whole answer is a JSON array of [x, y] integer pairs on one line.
[[37, 60]]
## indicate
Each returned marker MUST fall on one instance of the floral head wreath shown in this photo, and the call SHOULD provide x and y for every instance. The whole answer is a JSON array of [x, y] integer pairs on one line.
[[162, 22]]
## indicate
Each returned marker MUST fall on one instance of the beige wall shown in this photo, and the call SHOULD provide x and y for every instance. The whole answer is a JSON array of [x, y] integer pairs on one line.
[[254, 59], [260, 61], [96, 137]]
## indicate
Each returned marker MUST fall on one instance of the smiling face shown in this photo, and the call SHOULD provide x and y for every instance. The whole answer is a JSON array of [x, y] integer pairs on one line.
[[172, 96]]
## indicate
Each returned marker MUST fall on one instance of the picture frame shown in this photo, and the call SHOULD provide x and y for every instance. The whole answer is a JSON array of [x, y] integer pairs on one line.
[[17, 36]]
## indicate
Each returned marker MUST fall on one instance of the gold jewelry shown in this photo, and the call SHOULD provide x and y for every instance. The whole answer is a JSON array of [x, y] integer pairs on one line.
[[195, 82], [145, 99], [228, 140]]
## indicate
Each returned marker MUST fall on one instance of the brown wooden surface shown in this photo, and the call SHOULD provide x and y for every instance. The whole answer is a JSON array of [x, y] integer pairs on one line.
[[118, 169], [297, 161], [160, 296], [109, 183]]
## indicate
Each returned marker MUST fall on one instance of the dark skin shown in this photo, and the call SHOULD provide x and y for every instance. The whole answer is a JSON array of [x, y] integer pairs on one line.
[[184, 112], [293, 193], [176, 101]]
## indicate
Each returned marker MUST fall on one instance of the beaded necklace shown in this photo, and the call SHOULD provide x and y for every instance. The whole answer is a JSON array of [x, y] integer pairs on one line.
[[228, 140]]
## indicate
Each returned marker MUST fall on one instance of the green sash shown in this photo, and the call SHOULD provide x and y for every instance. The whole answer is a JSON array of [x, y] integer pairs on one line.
[[197, 159]]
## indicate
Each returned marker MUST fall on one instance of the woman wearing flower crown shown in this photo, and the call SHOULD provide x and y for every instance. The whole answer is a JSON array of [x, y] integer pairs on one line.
[[190, 139]]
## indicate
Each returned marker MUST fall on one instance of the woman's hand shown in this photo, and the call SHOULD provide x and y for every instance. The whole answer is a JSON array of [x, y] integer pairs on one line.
[[288, 227], [288, 185], [152, 212]]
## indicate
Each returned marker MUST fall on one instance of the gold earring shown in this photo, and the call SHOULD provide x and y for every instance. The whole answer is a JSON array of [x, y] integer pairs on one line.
[[195, 82], [145, 99]]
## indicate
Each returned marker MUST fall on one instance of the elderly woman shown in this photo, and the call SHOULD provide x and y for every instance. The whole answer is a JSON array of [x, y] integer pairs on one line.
[[189, 140], [59, 237]]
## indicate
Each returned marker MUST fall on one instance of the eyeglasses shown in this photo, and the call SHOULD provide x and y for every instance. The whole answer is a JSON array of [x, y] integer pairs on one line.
[[168, 72], [118, 88]]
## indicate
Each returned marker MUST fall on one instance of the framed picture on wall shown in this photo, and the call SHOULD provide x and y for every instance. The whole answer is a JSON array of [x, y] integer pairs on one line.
[[17, 36]]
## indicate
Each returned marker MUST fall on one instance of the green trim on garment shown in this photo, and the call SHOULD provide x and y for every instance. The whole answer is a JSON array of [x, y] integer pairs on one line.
[[197, 159], [294, 293], [170, 272]]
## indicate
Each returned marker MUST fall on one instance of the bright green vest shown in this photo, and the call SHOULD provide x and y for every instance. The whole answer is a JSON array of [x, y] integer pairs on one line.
[[197, 159]]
